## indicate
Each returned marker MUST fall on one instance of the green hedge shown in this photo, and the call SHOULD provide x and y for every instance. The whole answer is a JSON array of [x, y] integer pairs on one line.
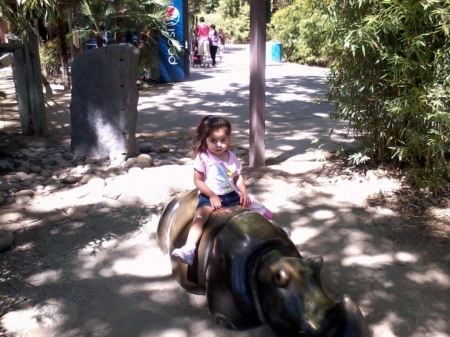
[[390, 78], [303, 31]]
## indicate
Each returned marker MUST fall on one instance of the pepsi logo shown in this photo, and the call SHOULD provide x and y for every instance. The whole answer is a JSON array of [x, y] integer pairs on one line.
[[173, 16]]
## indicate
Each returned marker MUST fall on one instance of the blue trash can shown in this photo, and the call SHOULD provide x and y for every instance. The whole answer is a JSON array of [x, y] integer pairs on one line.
[[91, 44], [273, 51]]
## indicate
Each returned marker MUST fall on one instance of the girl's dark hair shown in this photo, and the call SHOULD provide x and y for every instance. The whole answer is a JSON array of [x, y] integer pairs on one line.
[[214, 27], [207, 125]]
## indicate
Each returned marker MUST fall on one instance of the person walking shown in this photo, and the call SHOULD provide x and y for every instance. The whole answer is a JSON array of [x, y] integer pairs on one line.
[[218, 177], [222, 37], [202, 30], [214, 42]]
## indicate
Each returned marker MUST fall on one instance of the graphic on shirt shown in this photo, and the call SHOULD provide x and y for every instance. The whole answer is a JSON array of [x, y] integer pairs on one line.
[[221, 175], [218, 175]]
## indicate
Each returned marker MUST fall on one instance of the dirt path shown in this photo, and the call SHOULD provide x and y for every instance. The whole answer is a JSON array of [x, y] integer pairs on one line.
[[103, 275]]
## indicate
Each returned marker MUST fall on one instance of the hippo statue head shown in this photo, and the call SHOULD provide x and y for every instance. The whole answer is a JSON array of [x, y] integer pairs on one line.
[[253, 274], [293, 303]]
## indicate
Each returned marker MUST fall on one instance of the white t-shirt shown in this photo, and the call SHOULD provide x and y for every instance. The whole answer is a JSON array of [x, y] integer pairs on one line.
[[217, 174]]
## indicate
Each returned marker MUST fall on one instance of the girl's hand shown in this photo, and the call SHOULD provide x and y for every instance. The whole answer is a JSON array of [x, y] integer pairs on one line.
[[216, 203], [245, 200]]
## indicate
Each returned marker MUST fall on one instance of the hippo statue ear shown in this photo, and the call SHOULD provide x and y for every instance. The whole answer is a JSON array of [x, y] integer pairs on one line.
[[281, 278]]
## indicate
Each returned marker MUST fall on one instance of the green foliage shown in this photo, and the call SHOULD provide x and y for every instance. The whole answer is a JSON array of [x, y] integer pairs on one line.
[[390, 78], [50, 59], [303, 32], [237, 26]]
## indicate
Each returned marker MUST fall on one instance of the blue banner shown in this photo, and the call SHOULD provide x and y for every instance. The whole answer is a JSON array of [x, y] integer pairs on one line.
[[172, 67]]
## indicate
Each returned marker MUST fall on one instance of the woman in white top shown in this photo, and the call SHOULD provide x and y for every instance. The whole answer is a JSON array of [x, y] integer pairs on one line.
[[214, 41]]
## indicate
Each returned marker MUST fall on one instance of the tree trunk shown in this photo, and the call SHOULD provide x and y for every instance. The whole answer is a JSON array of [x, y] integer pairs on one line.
[[61, 31], [99, 39], [119, 33], [35, 90]]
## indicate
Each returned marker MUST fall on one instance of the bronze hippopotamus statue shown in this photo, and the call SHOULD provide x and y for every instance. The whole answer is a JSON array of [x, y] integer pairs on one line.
[[252, 274]]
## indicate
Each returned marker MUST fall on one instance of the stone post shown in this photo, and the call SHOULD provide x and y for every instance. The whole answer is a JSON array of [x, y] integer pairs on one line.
[[103, 109]]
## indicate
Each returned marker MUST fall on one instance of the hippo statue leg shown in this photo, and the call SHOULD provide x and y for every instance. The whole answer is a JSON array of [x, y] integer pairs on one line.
[[253, 274]]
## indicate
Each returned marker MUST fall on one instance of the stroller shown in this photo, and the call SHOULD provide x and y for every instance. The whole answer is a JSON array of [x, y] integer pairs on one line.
[[196, 60]]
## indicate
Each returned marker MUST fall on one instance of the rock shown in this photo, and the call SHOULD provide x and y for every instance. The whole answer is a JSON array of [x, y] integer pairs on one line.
[[49, 181], [6, 239], [163, 162], [54, 187], [25, 192], [144, 160], [146, 147], [21, 174], [87, 178], [78, 216], [37, 186], [95, 184], [163, 149], [27, 182], [4, 187], [16, 186], [68, 156], [129, 163], [22, 199], [24, 169], [12, 178], [48, 162], [46, 173], [70, 180]]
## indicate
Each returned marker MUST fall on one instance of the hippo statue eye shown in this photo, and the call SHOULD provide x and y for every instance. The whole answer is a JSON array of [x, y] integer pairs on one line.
[[280, 278]]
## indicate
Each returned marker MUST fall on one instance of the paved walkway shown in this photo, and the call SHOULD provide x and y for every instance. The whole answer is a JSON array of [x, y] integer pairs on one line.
[[294, 115]]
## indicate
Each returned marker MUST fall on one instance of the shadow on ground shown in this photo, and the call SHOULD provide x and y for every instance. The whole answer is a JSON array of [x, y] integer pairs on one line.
[[104, 275]]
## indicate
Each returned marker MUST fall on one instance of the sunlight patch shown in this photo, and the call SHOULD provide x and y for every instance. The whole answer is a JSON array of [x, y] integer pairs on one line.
[[323, 214], [374, 261], [387, 326], [38, 318], [285, 147], [354, 249], [173, 333], [149, 264], [164, 297], [168, 285], [430, 276], [48, 276], [304, 234], [406, 257]]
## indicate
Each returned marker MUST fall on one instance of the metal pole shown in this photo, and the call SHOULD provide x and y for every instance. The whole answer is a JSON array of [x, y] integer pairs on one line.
[[257, 83]]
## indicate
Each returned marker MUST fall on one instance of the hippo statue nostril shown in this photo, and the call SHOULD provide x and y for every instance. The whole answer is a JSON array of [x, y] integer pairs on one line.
[[281, 279]]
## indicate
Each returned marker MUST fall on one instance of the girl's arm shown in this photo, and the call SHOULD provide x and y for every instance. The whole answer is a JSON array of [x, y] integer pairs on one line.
[[245, 199], [203, 188]]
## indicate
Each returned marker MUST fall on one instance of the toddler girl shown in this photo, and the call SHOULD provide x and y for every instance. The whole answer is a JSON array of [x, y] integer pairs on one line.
[[216, 169]]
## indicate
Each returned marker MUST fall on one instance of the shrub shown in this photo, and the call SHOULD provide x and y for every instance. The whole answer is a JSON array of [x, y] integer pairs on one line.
[[390, 78], [237, 27], [50, 58], [303, 32]]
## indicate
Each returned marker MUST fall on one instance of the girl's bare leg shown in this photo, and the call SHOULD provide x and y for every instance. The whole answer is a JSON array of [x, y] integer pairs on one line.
[[200, 218], [186, 253]]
